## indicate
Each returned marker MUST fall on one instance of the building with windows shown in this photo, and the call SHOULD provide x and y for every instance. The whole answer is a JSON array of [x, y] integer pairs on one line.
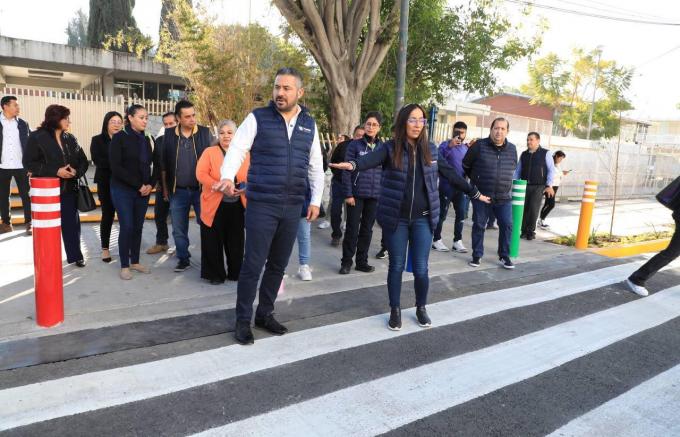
[[27, 64]]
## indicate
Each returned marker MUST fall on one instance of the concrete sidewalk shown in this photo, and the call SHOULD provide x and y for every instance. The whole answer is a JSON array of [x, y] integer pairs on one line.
[[96, 297]]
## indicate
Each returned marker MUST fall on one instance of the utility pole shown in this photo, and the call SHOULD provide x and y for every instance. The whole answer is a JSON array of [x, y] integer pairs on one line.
[[401, 62], [592, 105], [616, 178]]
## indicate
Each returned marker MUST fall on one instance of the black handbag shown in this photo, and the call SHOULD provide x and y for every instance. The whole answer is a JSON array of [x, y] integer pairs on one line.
[[86, 201], [670, 195]]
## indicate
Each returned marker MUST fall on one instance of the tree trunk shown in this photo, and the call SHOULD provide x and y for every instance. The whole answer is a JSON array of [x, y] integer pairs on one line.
[[345, 110]]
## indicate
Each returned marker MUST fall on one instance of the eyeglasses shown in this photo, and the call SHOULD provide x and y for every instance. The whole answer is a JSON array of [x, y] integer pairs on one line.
[[415, 121], [372, 124]]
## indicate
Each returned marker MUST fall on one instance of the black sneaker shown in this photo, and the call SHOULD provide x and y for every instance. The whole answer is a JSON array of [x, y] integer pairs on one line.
[[423, 319], [364, 268], [182, 266], [506, 262], [335, 242], [242, 332], [475, 261], [382, 254], [530, 237], [344, 270], [269, 324], [395, 319]]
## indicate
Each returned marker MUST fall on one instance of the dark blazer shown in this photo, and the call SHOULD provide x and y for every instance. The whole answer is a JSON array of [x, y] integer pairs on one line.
[[124, 158], [24, 131], [44, 157], [99, 152], [202, 139]]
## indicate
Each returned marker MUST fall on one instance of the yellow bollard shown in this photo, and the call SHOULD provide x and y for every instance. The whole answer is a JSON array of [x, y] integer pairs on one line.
[[586, 217]]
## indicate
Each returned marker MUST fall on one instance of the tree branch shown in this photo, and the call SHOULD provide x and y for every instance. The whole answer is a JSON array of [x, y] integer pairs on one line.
[[357, 15]]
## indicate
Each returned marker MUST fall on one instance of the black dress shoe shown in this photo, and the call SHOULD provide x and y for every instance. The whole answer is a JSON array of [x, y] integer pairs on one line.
[[216, 282], [344, 270], [80, 263], [269, 324], [335, 242], [242, 332], [395, 319], [423, 319], [531, 237], [365, 268]]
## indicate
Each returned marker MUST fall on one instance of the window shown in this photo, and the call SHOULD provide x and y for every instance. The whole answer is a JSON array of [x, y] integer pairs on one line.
[[164, 91], [151, 90]]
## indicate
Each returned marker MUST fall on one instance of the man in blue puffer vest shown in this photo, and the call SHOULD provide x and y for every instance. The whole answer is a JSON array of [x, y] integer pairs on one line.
[[361, 190], [284, 147], [491, 164]]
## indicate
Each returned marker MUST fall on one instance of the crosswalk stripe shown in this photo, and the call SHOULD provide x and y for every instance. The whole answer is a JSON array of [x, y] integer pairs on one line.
[[649, 409], [77, 394], [384, 404]]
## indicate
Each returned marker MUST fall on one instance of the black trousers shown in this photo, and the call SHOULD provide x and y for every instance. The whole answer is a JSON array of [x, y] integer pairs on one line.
[[271, 230], [21, 178], [161, 209], [532, 204], [359, 231], [70, 226], [661, 259], [225, 237], [549, 204], [108, 212]]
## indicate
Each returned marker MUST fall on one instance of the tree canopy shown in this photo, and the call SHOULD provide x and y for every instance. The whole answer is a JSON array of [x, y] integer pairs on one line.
[[77, 30], [567, 86]]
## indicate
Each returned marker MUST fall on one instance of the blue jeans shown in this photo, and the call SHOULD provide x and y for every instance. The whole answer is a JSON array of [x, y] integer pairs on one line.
[[70, 226], [270, 235], [131, 208], [304, 238], [458, 201], [418, 235], [180, 204], [337, 202], [480, 218]]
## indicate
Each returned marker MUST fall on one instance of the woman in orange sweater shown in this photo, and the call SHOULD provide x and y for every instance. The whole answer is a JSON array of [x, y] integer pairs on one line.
[[222, 217]]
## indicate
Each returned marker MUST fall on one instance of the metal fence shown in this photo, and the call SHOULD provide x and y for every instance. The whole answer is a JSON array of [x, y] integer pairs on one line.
[[87, 111]]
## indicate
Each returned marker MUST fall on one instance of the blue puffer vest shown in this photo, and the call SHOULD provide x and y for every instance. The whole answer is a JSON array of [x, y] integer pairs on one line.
[[394, 188], [278, 167], [494, 169], [363, 184]]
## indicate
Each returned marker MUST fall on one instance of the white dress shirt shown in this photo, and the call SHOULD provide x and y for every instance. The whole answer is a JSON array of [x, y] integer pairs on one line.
[[11, 144], [243, 141]]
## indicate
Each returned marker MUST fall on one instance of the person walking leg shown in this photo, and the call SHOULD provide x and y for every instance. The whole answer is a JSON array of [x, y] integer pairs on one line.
[[532, 205], [337, 202], [397, 244], [70, 228], [370, 209], [108, 213], [444, 202], [180, 204], [420, 240], [304, 232], [459, 201], [232, 229], [548, 206], [503, 213], [212, 248], [349, 242], [123, 201], [636, 281], [161, 209], [140, 206], [480, 217]]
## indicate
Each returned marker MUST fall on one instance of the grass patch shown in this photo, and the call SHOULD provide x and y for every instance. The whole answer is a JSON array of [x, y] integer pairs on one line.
[[603, 239]]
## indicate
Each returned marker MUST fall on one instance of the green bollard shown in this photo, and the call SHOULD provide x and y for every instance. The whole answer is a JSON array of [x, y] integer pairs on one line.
[[519, 189]]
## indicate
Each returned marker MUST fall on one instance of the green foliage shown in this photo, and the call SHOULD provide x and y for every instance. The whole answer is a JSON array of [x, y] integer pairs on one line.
[[111, 26], [451, 49], [129, 40], [229, 68], [567, 86], [77, 30]]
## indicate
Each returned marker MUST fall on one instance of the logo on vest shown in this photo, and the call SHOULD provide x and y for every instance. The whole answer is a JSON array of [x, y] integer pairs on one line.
[[304, 129]]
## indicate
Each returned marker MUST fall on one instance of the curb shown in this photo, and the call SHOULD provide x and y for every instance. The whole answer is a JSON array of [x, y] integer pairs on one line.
[[632, 248]]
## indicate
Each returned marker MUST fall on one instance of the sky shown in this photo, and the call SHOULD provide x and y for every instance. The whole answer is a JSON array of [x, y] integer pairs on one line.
[[653, 50]]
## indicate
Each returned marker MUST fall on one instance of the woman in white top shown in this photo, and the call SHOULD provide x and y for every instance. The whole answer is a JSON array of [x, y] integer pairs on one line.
[[549, 203]]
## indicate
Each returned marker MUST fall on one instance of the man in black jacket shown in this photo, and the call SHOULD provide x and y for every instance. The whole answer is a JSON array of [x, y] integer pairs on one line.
[[536, 166], [13, 138], [337, 194], [162, 205], [182, 147], [490, 163]]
